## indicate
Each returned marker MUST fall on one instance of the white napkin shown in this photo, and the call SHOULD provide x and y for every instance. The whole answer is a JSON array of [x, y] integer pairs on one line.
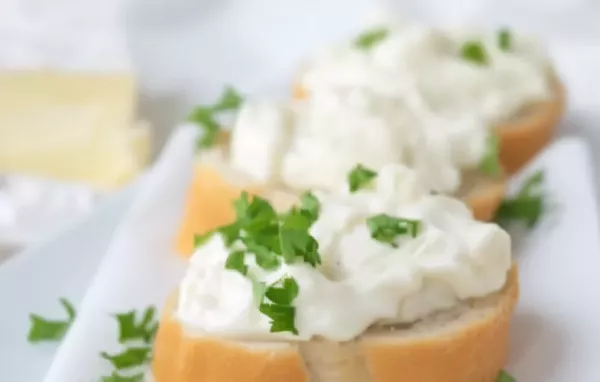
[[143, 242]]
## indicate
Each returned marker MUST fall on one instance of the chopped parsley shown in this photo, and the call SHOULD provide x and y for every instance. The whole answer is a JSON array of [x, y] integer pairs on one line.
[[138, 337], [360, 177], [130, 357], [273, 239], [235, 262], [130, 330], [371, 37], [279, 309], [503, 376], [474, 51], [505, 39], [43, 329], [207, 116], [295, 239], [310, 206], [200, 240], [116, 377], [490, 163], [527, 206], [386, 228]]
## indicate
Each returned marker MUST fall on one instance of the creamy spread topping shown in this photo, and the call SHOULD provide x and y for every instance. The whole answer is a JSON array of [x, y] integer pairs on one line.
[[364, 274], [423, 97]]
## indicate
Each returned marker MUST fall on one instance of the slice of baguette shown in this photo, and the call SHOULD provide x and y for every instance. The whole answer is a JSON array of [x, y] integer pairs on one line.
[[210, 199], [468, 343], [523, 136]]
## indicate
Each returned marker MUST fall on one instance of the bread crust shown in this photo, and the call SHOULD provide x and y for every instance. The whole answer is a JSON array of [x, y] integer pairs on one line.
[[472, 349], [526, 135], [209, 204]]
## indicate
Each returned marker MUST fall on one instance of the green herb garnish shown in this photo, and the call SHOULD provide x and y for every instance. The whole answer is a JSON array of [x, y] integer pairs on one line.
[[505, 39], [206, 116], [527, 206], [280, 309], [116, 377], [371, 37], [131, 357], [235, 262], [43, 329], [229, 100], [200, 240], [490, 163], [296, 241], [474, 51], [503, 376], [130, 330], [282, 317], [360, 177], [310, 206], [386, 228], [272, 238]]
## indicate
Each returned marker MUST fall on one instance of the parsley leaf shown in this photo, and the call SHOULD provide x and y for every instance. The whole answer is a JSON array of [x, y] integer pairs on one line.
[[503, 376], [264, 257], [285, 294], [200, 240], [386, 228], [206, 116], [133, 356], [490, 163], [130, 330], [360, 177], [474, 51], [229, 100], [254, 216], [42, 329], [310, 206], [296, 241], [504, 39], [115, 377], [282, 317], [527, 206], [235, 262], [371, 37]]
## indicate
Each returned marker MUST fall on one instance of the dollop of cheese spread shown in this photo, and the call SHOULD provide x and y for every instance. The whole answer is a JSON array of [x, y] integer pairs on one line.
[[361, 281], [412, 98]]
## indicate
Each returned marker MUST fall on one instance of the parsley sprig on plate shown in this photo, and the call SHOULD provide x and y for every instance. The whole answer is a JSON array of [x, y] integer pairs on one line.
[[137, 335], [527, 206], [207, 116], [43, 329]]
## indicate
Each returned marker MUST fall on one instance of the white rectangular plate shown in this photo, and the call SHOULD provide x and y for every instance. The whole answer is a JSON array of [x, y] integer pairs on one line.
[[554, 336]]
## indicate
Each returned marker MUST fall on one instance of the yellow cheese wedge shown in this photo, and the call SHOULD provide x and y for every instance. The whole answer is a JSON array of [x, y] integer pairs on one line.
[[72, 126]]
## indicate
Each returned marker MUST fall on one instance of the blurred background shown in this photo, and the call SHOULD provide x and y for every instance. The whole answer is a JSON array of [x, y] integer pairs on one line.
[[90, 89]]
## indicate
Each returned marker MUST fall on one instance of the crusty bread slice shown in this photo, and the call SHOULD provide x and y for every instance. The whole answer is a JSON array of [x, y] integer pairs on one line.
[[468, 343], [523, 136], [210, 199]]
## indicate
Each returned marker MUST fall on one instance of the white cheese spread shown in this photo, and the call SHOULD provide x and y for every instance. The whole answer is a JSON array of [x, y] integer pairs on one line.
[[361, 281]]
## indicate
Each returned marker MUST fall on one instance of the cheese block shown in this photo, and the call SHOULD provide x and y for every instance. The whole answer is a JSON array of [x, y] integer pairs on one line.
[[71, 126]]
